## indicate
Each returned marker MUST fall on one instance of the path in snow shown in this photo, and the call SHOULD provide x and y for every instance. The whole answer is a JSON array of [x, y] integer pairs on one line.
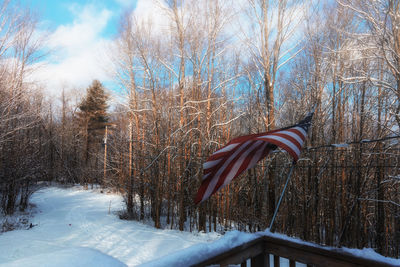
[[74, 228], [74, 218]]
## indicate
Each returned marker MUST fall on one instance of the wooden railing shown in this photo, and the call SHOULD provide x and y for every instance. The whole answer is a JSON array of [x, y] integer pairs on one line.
[[258, 251]]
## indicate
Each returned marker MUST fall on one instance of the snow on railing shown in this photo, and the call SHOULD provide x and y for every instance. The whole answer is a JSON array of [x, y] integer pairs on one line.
[[264, 248]]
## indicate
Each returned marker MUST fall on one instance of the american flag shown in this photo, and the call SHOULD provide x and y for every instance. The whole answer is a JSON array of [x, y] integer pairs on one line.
[[243, 153]]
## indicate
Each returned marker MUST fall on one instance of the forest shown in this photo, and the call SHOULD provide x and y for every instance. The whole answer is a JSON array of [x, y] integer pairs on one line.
[[216, 70]]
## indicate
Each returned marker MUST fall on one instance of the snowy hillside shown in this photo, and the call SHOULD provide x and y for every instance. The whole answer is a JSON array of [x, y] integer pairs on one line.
[[73, 227]]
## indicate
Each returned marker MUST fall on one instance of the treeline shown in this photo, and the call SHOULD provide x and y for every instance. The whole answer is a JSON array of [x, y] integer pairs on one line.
[[24, 149], [214, 71]]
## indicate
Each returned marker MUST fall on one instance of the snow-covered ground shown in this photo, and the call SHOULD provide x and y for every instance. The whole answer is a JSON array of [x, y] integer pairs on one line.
[[73, 227], [76, 227]]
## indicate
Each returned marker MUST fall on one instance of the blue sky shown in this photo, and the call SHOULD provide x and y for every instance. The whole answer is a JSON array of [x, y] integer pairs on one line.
[[63, 12], [78, 35]]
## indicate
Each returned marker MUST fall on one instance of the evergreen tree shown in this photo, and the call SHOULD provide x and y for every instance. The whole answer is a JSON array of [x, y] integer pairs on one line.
[[94, 106], [93, 120]]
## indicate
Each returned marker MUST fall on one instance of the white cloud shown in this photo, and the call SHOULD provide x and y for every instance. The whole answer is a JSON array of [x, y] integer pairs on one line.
[[78, 51], [154, 12]]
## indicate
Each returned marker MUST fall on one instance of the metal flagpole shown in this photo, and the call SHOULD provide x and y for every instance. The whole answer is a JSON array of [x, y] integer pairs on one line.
[[280, 198], [287, 179]]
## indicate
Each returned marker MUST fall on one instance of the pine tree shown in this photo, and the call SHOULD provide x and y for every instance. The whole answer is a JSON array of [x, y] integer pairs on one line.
[[94, 106], [93, 120]]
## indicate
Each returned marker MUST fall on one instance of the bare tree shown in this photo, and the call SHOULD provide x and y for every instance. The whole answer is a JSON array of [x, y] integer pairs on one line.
[[20, 106], [381, 19]]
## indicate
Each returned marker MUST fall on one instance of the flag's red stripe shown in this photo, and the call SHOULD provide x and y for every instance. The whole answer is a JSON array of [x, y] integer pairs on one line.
[[216, 167], [202, 189], [229, 167], [285, 147], [244, 138], [299, 133], [243, 165], [216, 173], [213, 170], [249, 158], [225, 156], [219, 155], [289, 138], [241, 157], [284, 144], [237, 140]]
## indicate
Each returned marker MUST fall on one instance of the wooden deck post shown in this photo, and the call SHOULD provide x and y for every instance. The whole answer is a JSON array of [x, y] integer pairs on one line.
[[276, 261], [260, 260]]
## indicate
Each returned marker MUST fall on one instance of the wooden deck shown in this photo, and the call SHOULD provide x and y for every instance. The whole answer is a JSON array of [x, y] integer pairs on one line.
[[258, 252]]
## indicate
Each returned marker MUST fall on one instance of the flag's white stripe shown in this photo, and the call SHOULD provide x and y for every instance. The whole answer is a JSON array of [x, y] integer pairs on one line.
[[206, 175], [301, 130], [215, 179], [225, 149], [240, 161], [285, 141], [292, 134], [210, 164], [257, 156]]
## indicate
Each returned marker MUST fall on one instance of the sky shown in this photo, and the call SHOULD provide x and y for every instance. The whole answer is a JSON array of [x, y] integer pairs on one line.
[[78, 35]]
